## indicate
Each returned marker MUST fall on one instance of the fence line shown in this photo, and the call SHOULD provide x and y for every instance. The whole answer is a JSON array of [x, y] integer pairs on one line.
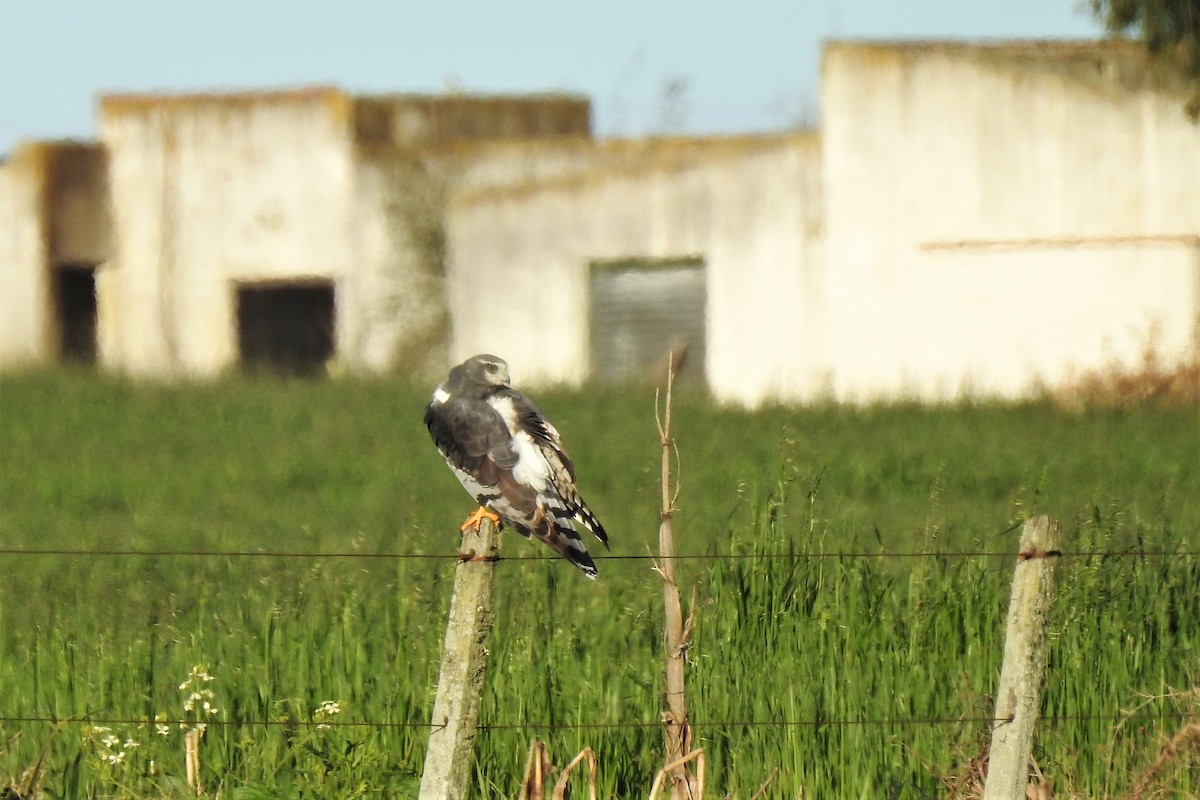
[[632, 725], [1028, 554], [861, 554]]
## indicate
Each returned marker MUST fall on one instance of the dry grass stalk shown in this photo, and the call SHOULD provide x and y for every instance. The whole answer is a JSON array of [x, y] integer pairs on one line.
[[537, 767], [762, 790], [560, 788], [1040, 788], [1150, 380], [1188, 735], [191, 751], [969, 781], [696, 785]]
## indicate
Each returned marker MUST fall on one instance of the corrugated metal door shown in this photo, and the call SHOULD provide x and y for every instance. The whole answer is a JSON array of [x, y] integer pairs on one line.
[[641, 312]]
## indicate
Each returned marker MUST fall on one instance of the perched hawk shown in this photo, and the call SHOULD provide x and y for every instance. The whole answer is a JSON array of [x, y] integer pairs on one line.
[[509, 458]]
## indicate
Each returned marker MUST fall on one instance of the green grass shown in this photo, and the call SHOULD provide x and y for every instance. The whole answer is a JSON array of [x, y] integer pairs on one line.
[[92, 463]]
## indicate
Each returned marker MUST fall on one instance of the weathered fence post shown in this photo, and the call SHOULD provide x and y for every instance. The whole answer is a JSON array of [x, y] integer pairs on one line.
[[1024, 668], [464, 657]]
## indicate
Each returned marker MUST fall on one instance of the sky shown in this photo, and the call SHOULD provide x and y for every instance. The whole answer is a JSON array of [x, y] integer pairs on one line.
[[649, 67]]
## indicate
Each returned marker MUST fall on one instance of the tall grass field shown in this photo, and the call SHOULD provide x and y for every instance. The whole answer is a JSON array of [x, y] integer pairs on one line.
[[273, 561]]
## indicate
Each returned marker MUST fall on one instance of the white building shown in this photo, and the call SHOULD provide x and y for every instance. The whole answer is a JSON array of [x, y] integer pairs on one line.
[[987, 219], [980, 218], [286, 228]]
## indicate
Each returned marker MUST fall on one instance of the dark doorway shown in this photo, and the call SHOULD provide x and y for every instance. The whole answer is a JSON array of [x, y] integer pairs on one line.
[[286, 328], [75, 312], [645, 314]]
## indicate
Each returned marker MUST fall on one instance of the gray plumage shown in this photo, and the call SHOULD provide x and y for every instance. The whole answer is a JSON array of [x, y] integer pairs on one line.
[[510, 458]]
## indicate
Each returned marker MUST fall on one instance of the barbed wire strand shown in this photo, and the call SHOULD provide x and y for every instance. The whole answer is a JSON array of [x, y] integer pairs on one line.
[[863, 554], [630, 725]]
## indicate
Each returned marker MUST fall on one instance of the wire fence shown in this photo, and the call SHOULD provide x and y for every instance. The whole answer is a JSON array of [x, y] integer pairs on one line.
[[90, 719], [625, 725], [840, 554]]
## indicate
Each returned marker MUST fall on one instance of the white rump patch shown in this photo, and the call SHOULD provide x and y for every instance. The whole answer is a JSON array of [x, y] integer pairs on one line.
[[532, 468]]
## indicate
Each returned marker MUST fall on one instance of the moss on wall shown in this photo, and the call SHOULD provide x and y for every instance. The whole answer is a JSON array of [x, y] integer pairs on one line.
[[145, 103], [1101, 65], [406, 119]]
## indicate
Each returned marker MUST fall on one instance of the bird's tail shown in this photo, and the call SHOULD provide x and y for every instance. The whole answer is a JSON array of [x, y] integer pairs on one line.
[[584, 515], [562, 538]]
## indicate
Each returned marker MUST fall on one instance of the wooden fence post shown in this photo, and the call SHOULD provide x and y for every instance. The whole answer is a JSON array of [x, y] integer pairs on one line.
[[1024, 669], [464, 657]]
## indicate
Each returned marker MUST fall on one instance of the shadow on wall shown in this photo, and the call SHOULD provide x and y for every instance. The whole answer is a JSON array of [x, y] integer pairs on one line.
[[75, 312]]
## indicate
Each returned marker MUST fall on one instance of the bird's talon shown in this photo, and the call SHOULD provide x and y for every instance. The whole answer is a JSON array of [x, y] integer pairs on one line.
[[477, 517]]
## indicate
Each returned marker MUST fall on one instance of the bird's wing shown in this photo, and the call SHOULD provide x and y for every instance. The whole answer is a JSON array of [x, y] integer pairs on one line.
[[478, 446], [543, 462]]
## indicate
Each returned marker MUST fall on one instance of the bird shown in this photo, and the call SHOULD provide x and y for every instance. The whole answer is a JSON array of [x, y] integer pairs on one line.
[[509, 457]]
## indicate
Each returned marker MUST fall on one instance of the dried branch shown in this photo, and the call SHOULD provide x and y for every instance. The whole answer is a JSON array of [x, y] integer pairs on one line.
[[1188, 734], [537, 767], [696, 755], [762, 790], [676, 730], [560, 788]]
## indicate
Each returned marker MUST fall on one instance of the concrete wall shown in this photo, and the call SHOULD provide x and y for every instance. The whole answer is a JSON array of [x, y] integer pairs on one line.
[[519, 258], [53, 212], [25, 332], [972, 218], [397, 317], [1069, 146], [209, 191], [215, 191]]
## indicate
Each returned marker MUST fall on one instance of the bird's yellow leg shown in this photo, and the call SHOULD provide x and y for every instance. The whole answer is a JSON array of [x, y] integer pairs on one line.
[[477, 517]]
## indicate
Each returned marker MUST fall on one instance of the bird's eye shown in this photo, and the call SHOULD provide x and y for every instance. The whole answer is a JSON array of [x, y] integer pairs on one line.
[[490, 367]]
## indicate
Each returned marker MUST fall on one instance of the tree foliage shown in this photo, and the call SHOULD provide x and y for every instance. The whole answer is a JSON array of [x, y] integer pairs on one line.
[[1169, 28]]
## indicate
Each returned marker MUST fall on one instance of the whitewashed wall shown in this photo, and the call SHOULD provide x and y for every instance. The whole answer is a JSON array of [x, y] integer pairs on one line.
[[928, 144], [208, 191], [212, 191], [519, 260], [981, 218], [395, 309], [25, 333], [53, 212]]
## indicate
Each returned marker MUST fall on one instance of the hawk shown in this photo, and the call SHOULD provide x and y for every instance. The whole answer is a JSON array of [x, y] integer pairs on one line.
[[510, 459]]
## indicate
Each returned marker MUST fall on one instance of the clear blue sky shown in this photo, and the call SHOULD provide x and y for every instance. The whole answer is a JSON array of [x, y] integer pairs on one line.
[[743, 66]]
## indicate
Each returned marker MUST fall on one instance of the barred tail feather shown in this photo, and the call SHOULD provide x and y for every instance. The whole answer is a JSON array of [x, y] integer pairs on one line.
[[589, 521], [563, 540]]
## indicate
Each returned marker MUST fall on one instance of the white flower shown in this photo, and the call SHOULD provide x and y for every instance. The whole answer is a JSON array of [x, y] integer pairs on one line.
[[328, 708]]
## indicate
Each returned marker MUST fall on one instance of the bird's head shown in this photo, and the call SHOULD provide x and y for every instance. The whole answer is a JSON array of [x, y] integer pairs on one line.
[[487, 369]]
